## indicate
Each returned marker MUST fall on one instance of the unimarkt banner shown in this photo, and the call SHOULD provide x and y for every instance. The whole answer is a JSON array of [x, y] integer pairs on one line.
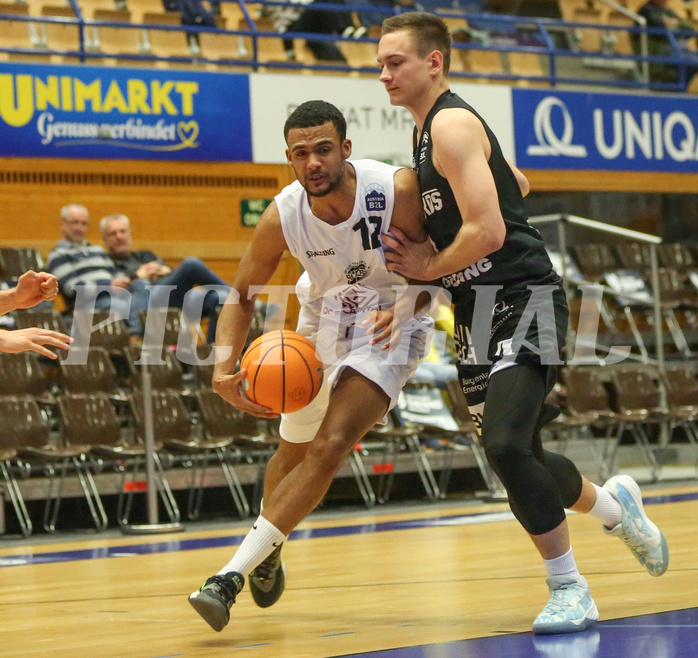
[[108, 113]]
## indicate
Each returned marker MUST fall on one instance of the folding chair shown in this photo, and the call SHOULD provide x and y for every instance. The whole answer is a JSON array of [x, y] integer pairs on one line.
[[96, 372], [199, 451], [27, 433], [15, 261], [681, 387], [93, 420], [637, 397], [113, 336], [48, 319], [461, 414], [631, 293], [587, 406], [250, 440], [23, 373], [404, 433], [168, 374]]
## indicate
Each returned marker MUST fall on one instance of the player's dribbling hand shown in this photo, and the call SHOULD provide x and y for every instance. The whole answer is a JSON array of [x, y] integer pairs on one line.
[[230, 388]]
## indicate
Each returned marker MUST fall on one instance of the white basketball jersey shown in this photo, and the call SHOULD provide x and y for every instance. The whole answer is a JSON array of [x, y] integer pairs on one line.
[[345, 274]]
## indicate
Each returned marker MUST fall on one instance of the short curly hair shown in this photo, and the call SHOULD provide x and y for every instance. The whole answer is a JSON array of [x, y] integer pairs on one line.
[[316, 113]]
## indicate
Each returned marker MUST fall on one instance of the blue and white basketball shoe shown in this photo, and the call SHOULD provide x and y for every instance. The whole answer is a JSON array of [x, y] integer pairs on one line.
[[570, 608], [645, 540]]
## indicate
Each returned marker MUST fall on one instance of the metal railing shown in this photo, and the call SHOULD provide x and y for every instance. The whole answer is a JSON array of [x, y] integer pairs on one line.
[[562, 220]]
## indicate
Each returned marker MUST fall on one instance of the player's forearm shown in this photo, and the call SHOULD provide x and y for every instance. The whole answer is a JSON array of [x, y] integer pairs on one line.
[[231, 332], [5, 338], [7, 301], [471, 244]]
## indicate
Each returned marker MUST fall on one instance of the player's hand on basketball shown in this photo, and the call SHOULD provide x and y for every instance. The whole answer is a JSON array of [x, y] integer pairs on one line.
[[229, 387], [411, 259], [383, 329]]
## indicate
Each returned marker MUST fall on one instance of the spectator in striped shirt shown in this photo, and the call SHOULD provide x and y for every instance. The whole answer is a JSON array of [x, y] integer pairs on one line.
[[86, 274]]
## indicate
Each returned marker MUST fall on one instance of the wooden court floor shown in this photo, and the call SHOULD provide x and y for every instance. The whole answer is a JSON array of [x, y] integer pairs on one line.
[[358, 583]]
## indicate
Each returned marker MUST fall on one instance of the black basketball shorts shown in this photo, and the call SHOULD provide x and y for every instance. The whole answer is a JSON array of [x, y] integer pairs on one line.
[[528, 326]]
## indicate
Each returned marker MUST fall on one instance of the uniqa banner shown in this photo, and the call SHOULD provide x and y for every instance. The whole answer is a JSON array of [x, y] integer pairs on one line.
[[107, 113], [621, 132]]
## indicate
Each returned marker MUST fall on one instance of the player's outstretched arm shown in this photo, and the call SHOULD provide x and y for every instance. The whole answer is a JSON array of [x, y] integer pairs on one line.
[[33, 339], [258, 264]]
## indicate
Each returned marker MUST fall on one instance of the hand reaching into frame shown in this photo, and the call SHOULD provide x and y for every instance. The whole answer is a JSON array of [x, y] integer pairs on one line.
[[34, 339], [33, 288]]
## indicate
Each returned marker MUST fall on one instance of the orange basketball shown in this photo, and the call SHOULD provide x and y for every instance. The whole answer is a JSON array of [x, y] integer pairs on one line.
[[283, 372]]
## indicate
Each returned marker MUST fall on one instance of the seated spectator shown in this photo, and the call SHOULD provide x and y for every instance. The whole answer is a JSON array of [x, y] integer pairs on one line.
[[193, 12], [32, 288], [658, 14], [290, 19], [142, 268], [81, 267]]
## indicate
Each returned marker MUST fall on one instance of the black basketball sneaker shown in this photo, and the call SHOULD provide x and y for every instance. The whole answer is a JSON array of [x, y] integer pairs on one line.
[[268, 580], [215, 597]]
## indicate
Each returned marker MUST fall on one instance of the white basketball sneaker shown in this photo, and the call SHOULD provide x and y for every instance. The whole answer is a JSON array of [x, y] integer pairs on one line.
[[641, 536], [570, 608]]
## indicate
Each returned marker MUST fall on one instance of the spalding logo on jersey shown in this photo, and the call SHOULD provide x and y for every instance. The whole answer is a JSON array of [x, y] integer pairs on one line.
[[375, 197], [356, 271]]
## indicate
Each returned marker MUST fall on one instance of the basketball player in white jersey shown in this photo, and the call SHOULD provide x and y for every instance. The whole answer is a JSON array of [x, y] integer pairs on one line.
[[331, 220]]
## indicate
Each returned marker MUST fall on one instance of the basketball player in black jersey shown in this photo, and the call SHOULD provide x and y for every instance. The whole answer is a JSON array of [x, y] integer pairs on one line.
[[510, 315]]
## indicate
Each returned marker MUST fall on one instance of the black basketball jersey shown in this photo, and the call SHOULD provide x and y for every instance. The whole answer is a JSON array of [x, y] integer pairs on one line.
[[522, 259]]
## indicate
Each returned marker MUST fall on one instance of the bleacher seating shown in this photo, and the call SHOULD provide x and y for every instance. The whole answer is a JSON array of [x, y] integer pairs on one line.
[[15, 34], [599, 52], [139, 9], [269, 49], [112, 40], [90, 8], [58, 36], [221, 46], [167, 43]]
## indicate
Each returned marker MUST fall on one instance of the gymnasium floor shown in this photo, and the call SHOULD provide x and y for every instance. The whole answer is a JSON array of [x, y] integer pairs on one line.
[[456, 578]]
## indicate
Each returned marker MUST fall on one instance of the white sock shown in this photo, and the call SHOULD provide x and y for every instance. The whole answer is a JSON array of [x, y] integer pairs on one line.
[[261, 540], [606, 508], [562, 566]]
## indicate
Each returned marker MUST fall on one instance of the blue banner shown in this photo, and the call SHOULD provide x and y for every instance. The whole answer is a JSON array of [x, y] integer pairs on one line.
[[617, 132], [108, 113]]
